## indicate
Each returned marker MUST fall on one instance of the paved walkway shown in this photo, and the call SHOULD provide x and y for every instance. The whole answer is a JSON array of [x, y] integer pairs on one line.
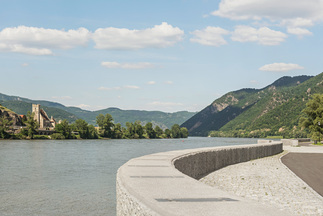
[[307, 166], [270, 182]]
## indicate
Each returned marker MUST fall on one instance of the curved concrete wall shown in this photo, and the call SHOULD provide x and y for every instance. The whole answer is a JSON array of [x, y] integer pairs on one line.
[[199, 164], [159, 184]]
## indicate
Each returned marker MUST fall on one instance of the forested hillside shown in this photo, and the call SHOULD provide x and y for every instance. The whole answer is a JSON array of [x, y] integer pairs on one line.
[[273, 110], [164, 120]]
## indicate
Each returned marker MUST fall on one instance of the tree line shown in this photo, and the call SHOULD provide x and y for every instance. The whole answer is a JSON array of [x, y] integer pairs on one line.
[[108, 129], [82, 130]]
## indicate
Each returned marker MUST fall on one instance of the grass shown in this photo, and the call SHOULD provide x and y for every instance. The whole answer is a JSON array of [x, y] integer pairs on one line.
[[274, 137]]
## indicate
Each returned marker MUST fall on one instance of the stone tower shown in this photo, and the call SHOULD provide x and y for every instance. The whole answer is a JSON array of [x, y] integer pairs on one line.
[[36, 111]]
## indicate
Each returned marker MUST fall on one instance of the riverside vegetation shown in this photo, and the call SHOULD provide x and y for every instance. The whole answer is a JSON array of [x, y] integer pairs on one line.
[[80, 129]]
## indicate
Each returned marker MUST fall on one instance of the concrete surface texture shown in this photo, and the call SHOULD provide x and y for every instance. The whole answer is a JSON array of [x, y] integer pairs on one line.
[[268, 181], [151, 185]]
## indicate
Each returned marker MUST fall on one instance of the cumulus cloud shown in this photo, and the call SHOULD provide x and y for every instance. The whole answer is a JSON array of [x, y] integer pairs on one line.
[[263, 35], [210, 36], [40, 41], [140, 65], [159, 36], [272, 10], [299, 31], [280, 67], [289, 13]]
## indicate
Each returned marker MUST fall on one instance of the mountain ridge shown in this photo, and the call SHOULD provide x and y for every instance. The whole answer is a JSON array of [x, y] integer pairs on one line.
[[238, 112], [165, 120]]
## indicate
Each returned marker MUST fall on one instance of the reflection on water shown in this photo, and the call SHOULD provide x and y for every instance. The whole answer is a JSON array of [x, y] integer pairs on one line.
[[75, 177]]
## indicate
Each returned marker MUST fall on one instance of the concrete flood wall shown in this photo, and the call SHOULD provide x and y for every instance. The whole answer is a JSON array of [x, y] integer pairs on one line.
[[165, 183], [199, 164]]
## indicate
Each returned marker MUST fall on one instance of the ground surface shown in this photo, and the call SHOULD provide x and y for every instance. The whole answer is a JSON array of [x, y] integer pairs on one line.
[[307, 166], [269, 181]]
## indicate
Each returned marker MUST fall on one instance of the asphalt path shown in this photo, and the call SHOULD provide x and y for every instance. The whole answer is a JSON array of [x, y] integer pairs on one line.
[[307, 166]]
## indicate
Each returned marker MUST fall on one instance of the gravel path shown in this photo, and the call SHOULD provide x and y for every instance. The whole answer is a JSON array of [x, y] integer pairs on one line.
[[268, 181]]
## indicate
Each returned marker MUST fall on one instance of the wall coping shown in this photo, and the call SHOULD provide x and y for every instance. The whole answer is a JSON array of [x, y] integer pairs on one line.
[[151, 185]]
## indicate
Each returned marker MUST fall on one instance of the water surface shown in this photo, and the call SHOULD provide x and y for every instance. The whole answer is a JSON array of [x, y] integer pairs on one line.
[[75, 177]]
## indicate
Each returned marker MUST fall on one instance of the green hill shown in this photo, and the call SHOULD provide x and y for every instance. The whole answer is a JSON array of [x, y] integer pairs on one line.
[[58, 111], [273, 110]]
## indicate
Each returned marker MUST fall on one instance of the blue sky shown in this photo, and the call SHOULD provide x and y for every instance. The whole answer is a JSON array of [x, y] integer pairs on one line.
[[154, 55]]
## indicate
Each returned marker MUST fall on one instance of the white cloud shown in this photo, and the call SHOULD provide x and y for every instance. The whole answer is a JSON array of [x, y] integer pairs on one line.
[[280, 67], [131, 87], [169, 82], [151, 83], [40, 41], [263, 35], [140, 65], [288, 13], [299, 31], [273, 10], [210, 36], [24, 64], [159, 36], [297, 22]]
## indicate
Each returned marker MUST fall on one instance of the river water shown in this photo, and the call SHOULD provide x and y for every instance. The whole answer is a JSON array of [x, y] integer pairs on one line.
[[75, 177]]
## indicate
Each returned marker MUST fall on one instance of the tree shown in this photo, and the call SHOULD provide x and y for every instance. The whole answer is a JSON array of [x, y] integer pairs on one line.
[[151, 133], [31, 125], [65, 129], [5, 125], [176, 131], [139, 131], [100, 120], [313, 119], [159, 131], [168, 133], [184, 132], [93, 133], [106, 125], [118, 134], [130, 131], [81, 127]]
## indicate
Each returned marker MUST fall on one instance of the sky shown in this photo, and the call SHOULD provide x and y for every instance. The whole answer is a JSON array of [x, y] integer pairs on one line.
[[166, 55]]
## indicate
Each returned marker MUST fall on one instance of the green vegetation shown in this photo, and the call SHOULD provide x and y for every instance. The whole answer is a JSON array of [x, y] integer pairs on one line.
[[80, 129], [313, 119], [107, 129], [5, 126], [272, 111], [31, 125]]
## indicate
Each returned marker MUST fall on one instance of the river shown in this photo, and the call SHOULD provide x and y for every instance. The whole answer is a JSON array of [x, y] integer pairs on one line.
[[75, 177]]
